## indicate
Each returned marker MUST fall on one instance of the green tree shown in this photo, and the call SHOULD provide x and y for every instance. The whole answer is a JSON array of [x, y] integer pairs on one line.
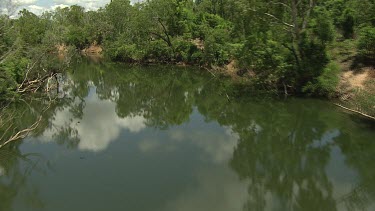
[[366, 43], [31, 27]]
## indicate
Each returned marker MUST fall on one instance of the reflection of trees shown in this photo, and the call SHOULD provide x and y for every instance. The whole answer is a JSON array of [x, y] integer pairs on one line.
[[163, 97], [275, 152], [13, 178], [359, 148], [283, 148], [284, 157]]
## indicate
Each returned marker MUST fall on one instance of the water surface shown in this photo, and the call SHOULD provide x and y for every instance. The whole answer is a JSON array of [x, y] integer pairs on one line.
[[176, 139]]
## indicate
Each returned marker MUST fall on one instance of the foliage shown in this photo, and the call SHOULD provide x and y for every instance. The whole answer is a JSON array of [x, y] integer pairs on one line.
[[284, 43], [325, 84], [31, 27], [366, 42], [267, 58], [347, 24], [323, 27], [27, 52]]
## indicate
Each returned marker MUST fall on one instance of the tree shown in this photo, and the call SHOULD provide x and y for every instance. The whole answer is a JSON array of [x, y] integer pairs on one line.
[[31, 28], [366, 42]]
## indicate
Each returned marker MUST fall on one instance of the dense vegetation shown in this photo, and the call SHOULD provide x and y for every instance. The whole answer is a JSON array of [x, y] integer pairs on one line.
[[283, 44]]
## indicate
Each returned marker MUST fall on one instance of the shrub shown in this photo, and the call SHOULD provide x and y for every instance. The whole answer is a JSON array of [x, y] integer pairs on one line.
[[347, 24], [267, 59], [325, 84], [7, 86], [159, 50], [184, 49], [366, 42], [325, 29]]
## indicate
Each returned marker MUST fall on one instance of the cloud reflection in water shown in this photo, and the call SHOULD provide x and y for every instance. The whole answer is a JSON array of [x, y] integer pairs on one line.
[[99, 125]]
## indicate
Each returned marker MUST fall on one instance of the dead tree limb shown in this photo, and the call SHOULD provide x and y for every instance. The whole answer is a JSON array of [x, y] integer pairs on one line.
[[355, 111], [23, 133]]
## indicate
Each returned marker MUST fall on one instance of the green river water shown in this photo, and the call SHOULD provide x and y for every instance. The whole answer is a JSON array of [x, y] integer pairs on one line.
[[164, 138]]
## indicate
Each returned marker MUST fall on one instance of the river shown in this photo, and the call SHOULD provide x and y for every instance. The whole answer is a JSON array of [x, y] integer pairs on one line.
[[163, 138]]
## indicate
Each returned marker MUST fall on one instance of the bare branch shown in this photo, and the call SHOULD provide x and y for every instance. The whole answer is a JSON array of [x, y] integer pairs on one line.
[[308, 13], [279, 20], [23, 133], [355, 111], [27, 73]]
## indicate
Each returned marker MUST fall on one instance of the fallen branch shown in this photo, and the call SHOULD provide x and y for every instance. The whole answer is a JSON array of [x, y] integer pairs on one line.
[[23, 133], [32, 86], [210, 71], [26, 75], [355, 111]]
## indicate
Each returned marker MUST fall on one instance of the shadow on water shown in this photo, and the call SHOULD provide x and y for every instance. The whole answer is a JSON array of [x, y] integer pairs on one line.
[[15, 168]]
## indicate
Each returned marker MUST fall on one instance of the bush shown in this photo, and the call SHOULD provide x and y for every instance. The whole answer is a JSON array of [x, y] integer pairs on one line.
[[7, 86], [366, 42], [325, 84], [184, 49], [314, 59], [323, 27], [15, 68], [159, 50], [347, 24], [11, 74], [267, 58], [76, 37], [123, 52], [216, 47]]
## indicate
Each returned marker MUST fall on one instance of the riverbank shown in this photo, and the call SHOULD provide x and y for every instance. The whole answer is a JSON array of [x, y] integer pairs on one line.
[[356, 88], [355, 80]]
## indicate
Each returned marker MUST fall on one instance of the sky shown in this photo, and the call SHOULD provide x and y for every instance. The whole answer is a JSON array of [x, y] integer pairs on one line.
[[39, 6]]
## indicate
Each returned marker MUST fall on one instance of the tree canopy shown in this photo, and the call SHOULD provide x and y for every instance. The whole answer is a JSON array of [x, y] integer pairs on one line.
[[285, 44]]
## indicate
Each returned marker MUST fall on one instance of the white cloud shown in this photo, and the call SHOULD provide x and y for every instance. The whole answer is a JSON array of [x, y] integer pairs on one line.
[[59, 6], [88, 4], [38, 10], [24, 2], [67, 1], [99, 126], [3, 11], [38, 7], [149, 145], [216, 189], [217, 146]]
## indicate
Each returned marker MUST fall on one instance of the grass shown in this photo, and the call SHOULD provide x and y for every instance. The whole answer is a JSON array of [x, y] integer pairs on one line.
[[362, 99]]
